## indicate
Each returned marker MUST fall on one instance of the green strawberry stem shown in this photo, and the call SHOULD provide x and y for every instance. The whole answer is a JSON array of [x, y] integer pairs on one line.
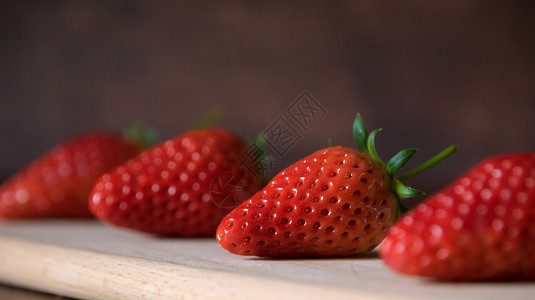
[[210, 118], [141, 135], [428, 164], [260, 145], [366, 143]]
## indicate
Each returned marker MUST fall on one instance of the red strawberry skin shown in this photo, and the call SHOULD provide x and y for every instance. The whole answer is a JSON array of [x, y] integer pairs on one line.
[[481, 227], [335, 202], [58, 183], [169, 189]]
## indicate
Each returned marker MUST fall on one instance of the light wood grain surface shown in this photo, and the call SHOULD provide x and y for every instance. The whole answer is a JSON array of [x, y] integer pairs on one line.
[[89, 260]]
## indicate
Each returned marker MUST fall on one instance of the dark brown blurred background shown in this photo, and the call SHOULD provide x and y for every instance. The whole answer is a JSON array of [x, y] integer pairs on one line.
[[430, 73]]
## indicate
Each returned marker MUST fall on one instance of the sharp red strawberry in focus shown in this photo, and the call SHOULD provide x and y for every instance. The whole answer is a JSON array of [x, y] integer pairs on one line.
[[58, 183], [336, 202], [481, 227], [180, 187]]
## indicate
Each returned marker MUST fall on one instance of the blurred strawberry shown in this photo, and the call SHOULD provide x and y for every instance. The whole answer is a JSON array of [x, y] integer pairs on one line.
[[481, 227], [58, 183], [181, 187]]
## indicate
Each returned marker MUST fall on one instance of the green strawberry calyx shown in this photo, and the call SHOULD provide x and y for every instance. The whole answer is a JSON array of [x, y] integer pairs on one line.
[[141, 135], [366, 143], [144, 137]]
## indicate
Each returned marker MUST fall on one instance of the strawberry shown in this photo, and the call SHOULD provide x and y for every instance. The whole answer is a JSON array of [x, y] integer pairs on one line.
[[335, 202], [177, 188], [58, 183], [481, 227]]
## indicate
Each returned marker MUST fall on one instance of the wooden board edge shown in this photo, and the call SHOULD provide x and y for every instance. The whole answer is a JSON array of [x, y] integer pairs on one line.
[[93, 275]]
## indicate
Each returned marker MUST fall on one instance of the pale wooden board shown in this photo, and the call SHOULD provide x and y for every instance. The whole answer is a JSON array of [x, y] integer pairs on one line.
[[87, 259]]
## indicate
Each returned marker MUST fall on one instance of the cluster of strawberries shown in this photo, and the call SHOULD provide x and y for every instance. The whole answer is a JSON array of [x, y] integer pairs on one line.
[[335, 202]]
